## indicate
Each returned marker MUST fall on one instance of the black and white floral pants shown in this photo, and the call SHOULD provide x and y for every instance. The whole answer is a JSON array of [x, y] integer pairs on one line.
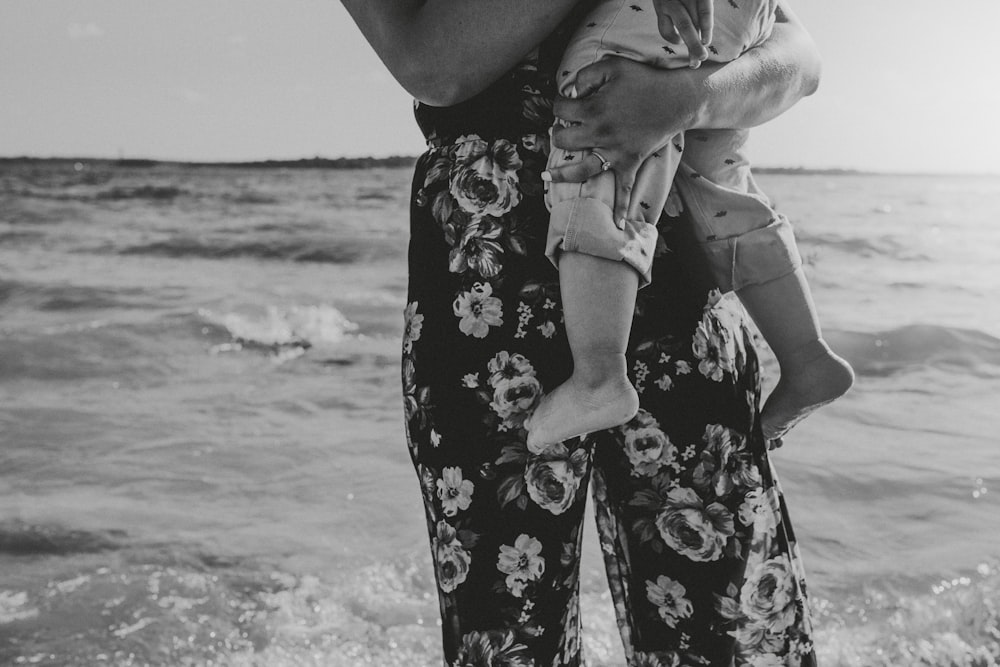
[[700, 554]]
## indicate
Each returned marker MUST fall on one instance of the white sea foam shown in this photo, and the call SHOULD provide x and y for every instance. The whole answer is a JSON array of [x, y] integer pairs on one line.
[[385, 614], [14, 607], [320, 326]]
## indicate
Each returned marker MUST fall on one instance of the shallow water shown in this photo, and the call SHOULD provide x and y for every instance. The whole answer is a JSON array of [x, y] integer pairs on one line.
[[203, 458]]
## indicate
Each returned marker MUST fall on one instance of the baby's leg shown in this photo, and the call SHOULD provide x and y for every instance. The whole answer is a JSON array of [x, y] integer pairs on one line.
[[812, 375], [601, 263], [752, 249], [598, 298]]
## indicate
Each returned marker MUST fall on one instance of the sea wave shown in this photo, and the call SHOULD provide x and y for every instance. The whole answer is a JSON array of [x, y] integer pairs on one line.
[[67, 297], [918, 346], [170, 606], [21, 237], [8, 288], [89, 349], [76, 192], [24, 539], [324, 250], [954, 624], [277, 327], [142, 192], [153, 192], [874, 246]]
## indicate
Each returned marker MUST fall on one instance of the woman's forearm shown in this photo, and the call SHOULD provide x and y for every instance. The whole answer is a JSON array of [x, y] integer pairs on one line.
[[625, 110], [445, 51], [762, 83]]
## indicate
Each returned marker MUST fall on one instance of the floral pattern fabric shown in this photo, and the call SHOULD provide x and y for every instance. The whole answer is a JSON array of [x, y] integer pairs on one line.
[[701, 557]]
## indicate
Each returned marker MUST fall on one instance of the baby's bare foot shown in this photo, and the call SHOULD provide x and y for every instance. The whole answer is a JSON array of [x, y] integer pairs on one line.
[[572, 409], [810, 379]]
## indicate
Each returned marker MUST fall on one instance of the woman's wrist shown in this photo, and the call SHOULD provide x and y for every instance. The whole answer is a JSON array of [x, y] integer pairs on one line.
[[702, 97], [716, 96]]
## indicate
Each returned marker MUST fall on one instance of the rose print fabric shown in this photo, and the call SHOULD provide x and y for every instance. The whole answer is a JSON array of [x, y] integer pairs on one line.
[[699, 550]]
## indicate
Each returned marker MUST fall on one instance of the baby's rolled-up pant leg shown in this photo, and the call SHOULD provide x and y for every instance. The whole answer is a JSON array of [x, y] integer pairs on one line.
[[745, 240], [582, 214]]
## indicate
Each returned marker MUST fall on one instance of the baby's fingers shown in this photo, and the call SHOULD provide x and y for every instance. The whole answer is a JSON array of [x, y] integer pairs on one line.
[[665, 23], [674, 20], [706, 20]]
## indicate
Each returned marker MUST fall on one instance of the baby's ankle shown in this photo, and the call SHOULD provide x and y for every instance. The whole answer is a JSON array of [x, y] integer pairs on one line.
[[592, 382], [600, 372], [808, 353], [816, 365]]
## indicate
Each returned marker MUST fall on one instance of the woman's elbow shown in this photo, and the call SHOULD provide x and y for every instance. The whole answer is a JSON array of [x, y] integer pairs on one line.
[[440, 93], [808, 59], [801, 49], [801, 67], [812, 70], [435, 86]]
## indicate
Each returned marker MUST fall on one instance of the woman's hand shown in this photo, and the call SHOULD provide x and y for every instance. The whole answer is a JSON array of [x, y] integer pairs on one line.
[[616, 116], [625, 110]]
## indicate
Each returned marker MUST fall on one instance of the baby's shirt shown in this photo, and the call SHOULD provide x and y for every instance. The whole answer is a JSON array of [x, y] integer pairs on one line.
[[628, 28]]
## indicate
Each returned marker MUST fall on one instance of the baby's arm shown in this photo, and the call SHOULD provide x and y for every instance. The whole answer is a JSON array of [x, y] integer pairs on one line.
[[688, 20]]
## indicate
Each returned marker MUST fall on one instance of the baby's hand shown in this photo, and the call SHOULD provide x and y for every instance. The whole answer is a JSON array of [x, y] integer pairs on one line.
[[688, 20]]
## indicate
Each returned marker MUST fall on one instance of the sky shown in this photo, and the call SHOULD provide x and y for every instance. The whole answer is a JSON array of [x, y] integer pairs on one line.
[[908, 85]]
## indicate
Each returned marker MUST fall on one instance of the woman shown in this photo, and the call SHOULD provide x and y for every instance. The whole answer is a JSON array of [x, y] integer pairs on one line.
[[699, 551]]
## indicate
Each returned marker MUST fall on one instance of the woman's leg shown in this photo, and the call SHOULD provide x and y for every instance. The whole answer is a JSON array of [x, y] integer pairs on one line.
[[713, 579], [504, 524], [701, 557], [505, 531]]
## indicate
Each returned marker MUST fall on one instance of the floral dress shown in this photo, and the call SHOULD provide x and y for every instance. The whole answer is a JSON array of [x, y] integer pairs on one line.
[[701, 559]]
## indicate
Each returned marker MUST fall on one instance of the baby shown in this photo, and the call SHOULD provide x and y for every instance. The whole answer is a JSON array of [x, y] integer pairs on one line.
[[750, 246]]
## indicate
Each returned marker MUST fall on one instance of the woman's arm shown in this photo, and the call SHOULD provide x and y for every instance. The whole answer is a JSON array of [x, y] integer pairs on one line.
[[445, 51], [765, 82], [626, 110]]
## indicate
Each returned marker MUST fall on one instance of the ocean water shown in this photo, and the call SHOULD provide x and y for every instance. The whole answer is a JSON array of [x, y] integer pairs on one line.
[[202, 458]]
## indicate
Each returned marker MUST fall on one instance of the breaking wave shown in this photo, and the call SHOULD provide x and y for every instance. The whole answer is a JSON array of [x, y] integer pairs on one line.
[[916, 346]]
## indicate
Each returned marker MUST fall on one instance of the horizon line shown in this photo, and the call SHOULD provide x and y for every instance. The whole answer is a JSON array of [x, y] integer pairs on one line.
[[400, 160]]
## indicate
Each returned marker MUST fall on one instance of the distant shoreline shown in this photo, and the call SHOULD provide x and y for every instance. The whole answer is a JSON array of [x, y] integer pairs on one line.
[[304, 163], [391, 162]]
